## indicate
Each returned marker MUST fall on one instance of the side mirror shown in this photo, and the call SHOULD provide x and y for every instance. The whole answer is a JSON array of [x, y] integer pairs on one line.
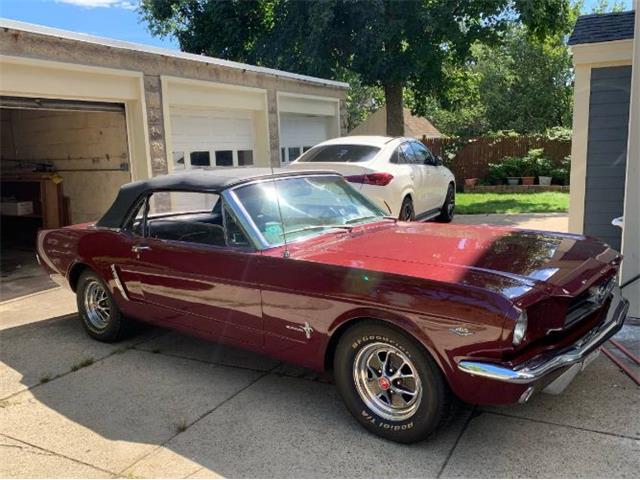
[[438, 160]]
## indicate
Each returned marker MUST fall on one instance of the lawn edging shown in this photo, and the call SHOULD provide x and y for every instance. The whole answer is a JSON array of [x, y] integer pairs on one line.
[[515, 188]]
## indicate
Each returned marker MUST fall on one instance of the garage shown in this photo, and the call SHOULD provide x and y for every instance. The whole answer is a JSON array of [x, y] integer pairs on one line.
[[204, 138], [305, 121], [61, 161]]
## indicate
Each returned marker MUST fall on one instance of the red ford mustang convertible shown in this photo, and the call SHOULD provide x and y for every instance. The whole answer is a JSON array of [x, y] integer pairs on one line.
[[300, 266]]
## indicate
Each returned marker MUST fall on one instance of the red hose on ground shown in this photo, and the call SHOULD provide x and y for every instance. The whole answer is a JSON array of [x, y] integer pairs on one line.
[[624, 350], [620, 364]]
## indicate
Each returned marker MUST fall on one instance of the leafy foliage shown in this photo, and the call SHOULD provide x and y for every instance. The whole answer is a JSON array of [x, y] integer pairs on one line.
[[523, 84], [389, 44]]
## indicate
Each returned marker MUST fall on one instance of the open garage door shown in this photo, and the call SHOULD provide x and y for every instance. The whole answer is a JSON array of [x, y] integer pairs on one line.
[[209, 138], [62, 162]]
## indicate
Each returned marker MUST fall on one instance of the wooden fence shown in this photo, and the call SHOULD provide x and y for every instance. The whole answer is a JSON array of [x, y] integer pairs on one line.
[[475, 154]]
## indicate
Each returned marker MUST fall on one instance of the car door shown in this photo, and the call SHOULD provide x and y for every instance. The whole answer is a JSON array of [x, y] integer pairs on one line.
[[408, 156], [200, 267], [433, 192]]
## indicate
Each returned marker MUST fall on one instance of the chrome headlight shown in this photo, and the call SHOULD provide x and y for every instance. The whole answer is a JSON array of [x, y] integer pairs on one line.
[[520, 330]]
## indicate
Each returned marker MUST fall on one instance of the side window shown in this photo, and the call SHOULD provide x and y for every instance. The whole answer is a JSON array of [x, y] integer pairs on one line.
[[422, 153], [405, 154], [234, 232], [193, 217]]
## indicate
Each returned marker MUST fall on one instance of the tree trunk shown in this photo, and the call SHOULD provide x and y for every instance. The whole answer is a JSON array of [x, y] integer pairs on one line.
[[395, 116]]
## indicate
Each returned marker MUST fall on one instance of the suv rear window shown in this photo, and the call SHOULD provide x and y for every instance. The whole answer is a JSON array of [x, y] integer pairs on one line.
[[340, 153]]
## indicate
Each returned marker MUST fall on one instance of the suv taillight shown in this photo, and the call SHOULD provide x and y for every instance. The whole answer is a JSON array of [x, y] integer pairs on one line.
[[379, 179]]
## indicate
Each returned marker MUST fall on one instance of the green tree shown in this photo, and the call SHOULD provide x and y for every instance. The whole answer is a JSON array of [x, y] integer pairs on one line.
[[523, 84], [389, 44]]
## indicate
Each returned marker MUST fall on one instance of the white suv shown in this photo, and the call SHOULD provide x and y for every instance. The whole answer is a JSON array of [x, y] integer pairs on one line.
[[399, 174]]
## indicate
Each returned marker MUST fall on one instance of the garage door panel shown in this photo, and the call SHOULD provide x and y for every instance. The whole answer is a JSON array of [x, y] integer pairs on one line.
[[299, 132], [211, 131]]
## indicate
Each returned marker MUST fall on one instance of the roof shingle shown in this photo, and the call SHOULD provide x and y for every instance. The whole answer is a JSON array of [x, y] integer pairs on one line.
[[603, 27]]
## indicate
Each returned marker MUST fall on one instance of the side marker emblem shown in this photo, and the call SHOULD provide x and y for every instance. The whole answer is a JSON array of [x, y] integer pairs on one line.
[[462, 331], [306, 329]]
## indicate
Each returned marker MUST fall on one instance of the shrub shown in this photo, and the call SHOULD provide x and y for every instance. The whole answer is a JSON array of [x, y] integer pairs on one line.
[[538, 163], [562, 173]]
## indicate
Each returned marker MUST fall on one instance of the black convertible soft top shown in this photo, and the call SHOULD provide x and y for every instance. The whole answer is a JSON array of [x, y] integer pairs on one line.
[[214, 181]]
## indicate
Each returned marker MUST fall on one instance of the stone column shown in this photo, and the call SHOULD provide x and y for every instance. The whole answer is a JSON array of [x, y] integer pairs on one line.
[[155, 120], [274, 131]]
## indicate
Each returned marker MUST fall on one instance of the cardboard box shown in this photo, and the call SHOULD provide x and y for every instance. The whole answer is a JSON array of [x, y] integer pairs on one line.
[[16, 209]]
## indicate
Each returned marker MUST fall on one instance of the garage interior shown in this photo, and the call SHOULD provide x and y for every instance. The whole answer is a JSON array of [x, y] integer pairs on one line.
[[61, 161]]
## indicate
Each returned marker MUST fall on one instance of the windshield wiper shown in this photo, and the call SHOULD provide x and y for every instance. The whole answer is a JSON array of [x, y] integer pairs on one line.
[[360, 219], [369, 217], [315, 227]]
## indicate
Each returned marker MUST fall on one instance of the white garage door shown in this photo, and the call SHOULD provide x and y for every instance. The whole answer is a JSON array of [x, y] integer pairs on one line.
[[212, 138], [298, 133]]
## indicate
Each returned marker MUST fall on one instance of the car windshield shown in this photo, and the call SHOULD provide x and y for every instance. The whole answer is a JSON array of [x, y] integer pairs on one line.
[[340, 153], [308, 205]]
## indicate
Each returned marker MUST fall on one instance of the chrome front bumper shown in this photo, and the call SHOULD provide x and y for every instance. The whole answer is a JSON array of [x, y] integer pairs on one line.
[[577, 355]]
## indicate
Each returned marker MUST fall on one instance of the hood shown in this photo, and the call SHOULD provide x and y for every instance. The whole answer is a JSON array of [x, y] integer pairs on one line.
[[506, 260]]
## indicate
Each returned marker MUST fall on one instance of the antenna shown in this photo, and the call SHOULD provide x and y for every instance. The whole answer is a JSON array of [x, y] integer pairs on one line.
[[286, 253]]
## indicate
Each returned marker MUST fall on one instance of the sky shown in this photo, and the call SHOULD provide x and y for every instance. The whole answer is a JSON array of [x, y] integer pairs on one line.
[[109, 18]]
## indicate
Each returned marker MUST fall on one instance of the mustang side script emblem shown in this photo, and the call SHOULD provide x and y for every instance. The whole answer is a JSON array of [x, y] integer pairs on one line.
[[462, 331], [306, 329]]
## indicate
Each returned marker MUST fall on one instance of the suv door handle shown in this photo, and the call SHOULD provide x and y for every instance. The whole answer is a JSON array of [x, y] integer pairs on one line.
[[139, 248]]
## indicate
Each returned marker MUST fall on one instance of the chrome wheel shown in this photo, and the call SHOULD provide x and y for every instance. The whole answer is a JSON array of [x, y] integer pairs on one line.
[[406, 211], [451, 202], [387, 381], [96, 305]]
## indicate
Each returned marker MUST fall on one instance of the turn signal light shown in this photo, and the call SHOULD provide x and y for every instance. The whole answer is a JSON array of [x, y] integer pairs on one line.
[[379, 179]]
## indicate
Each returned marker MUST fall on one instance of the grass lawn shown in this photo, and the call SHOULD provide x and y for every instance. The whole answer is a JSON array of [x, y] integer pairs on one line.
[[472, 203]]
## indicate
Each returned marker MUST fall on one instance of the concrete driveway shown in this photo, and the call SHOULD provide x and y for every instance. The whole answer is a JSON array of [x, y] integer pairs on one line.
[[555, 222], [165, 405]]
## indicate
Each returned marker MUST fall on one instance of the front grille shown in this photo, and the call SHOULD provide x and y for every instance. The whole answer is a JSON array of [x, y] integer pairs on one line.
[[587, 302]]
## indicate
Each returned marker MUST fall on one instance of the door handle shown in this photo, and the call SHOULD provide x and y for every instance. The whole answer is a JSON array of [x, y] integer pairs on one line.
[[139, 248]]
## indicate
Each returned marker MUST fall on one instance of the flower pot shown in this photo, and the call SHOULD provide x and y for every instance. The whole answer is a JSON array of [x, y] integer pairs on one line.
[[528, 180], [470, 182], [513, 180], [544, 180]]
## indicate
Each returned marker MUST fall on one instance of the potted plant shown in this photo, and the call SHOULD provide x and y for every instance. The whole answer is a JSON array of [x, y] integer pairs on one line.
[[470, 182], [511, 168], [496, 174], [529, 165], [543, 166], [561, 174]]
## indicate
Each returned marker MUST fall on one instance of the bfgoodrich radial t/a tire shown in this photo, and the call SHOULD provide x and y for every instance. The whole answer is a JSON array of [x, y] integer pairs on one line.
[[98, 311], [390, 383]]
